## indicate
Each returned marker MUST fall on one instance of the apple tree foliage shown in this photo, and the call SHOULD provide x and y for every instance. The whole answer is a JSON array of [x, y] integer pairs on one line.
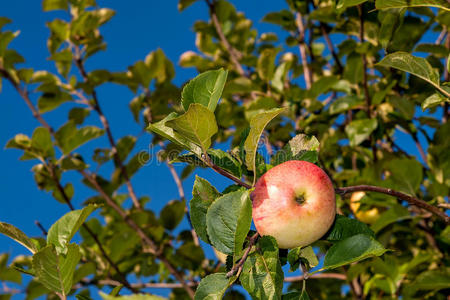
[[335, 88]]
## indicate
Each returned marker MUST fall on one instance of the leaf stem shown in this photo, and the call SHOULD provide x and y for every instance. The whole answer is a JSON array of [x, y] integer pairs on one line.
[[410, 199]]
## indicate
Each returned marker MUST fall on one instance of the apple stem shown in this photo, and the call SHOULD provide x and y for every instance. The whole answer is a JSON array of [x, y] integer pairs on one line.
[[410, 199], [238, 267]]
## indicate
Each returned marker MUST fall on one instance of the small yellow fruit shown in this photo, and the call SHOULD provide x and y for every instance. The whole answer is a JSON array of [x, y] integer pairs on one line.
[[367, 216]]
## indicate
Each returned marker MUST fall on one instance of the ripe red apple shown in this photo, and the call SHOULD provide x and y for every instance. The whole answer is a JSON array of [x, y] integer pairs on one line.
[[295, 203]]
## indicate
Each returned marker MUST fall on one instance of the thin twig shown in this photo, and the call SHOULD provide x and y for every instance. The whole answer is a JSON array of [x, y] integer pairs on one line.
[[420, 148], [400, 195], [234, 54], [42, 228], [302, 48], [364, 60], [237, 267], [96, 106], [156, 285], [221, 171], [441, 36], [179, 185], [24, 94], [66, 198], [331, 47]]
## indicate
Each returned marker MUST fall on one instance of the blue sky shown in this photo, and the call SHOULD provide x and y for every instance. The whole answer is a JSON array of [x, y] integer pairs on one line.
[[138, 28]]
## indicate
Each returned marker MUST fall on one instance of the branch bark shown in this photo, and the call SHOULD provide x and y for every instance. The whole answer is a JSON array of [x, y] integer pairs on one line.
[[302, 48], [410, 199], [221, 171], [238, 267], [153, 248], [96, 106], [179, 185], [234, 54], [331, 47]]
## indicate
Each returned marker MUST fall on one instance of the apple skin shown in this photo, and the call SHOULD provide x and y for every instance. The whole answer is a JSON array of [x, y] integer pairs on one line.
[[277, 213], [366, 216]]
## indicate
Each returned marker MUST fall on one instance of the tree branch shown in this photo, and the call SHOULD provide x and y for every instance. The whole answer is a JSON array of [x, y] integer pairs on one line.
[[221, 171], [22, 92], [42, 228], [302, 48], [331, 47], [238, 267], [234, 54], [179, 184], [411, 200], [364, 60], [106, 126], [153, 248]]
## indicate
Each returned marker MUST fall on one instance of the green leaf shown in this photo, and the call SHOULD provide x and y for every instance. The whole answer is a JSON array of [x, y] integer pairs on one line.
[[390, 21], [203, 195], [300, 147], [280, 75], [344, 104], [383, 4], [167, 132], [343, 4], [198, 124], [345, 227], [228, 221], [394, 214], [70, 138], [417, 66], [17, 235], [352, 249], [63, 230], [213, 286], [257, 125], [432, 280], [183, 4], [42, 141], [406, 175], [359, 130], [433, 101], [55, 271], [48, 5], [204, 89], [19, 141], [266, 64], [131, 297], [124, 146], [262, 275], [302, 255], [172, 214]]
